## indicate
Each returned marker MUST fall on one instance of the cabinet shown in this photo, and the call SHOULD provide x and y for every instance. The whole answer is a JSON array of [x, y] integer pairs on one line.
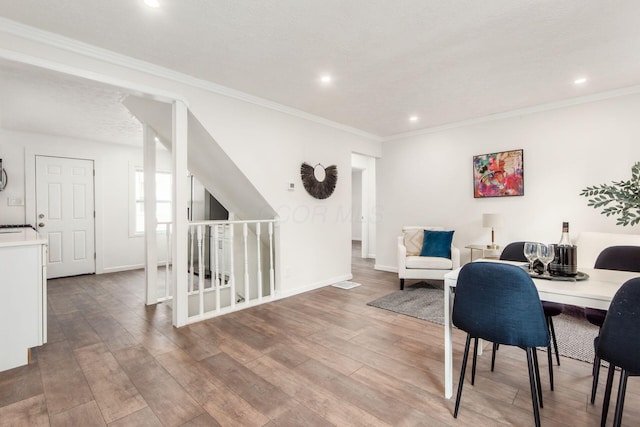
[[23, 295]]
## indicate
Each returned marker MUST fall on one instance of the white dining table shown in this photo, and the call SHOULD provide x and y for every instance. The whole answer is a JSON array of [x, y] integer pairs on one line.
[[595, 292]]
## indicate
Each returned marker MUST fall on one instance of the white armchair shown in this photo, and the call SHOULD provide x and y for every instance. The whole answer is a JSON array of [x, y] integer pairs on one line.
[[413, 266]]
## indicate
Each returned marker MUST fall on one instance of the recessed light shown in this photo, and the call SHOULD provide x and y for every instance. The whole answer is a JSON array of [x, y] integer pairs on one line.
[[580, 81], [152, 3], [326, 79], [413, 118]]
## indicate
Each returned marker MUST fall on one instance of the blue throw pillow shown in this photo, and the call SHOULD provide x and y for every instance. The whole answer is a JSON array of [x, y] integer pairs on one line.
[[437, 243]]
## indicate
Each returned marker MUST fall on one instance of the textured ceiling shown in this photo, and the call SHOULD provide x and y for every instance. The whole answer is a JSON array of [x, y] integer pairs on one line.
[[46, 102], [444, 61]]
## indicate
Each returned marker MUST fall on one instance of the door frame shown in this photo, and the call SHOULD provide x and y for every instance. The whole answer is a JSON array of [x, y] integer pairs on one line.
[[366, 165], [364, 217], [30, 204]]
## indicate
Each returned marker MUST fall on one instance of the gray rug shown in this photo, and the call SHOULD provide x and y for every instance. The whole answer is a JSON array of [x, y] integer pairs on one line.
[[426, 301]]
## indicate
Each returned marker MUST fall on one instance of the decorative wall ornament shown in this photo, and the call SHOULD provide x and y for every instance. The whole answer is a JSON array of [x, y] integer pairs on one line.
[[4, 179], [318, 180]]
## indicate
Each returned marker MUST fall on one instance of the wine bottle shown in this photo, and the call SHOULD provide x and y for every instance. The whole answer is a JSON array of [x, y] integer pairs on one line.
[[564, 238], [565, 262]]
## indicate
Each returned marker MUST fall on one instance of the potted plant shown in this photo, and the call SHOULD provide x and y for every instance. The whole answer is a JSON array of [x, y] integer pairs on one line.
[[620, 198]]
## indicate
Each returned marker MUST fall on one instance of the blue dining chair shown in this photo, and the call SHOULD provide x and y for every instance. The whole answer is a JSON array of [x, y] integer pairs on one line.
[[623, 258], [499, 303], [618, 343], [515, 252]]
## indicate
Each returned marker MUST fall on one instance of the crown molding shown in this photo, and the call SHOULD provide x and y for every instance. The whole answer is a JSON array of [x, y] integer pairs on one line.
[[519, 112], [72, 45]]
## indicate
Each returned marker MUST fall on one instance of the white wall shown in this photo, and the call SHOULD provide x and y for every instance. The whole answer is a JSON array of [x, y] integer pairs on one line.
[[427, 179], [116, 249], [267, 145], [12, 156]]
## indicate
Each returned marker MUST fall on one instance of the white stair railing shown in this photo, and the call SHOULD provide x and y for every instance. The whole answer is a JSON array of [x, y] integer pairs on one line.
[[245, 241], [212, 260], [258, 257], [213, 254], [232, 275], [272, 276], [192, 242]]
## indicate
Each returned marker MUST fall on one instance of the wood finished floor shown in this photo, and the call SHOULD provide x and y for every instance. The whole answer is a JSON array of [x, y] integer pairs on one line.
[[317, 359]]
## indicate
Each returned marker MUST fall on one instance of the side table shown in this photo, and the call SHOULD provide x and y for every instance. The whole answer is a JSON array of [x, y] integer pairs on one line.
[[484, 252]]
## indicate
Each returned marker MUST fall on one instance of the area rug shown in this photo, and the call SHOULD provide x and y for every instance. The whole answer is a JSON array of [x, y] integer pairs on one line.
[[426, 301]]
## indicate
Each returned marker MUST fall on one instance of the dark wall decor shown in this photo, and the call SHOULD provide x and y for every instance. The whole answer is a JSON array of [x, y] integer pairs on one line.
[[319, 189]]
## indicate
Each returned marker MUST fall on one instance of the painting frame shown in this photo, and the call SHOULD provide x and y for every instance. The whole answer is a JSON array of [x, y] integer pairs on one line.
[[499, 174]]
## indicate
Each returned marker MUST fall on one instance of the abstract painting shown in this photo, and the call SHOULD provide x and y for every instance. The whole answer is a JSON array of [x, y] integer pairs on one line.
[[498, 174]]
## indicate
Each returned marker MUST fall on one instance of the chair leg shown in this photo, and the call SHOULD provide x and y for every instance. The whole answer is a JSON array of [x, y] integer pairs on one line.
[[622, 389], [402, 284], [475, 358], [493, 356], [607, 395], [537, 372], [553, 337], [462, 372], [550, 362], [532, 383], [596, 376]]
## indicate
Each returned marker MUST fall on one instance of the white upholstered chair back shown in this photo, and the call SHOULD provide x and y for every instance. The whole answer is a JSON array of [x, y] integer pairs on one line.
[[591, 243]]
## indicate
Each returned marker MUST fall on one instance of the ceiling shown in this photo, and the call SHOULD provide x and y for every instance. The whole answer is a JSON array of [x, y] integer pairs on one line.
[[442, 61], [51, 103]]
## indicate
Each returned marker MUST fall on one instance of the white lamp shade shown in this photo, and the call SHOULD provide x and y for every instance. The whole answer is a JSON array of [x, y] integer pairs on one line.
[[492, 220]]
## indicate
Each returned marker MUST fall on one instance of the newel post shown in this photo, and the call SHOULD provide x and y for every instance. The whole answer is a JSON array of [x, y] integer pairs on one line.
[[179, 211]]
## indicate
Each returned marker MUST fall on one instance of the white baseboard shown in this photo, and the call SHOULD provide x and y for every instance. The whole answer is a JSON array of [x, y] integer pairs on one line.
[[125, 268], [121, 268], [388, 268], [311, 287]]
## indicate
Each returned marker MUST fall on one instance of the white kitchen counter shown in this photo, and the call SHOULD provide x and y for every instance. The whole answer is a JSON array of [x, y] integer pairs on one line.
[[23, 295], [20, 236]]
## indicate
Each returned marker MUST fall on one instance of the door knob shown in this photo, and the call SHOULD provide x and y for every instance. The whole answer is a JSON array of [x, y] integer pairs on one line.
[[41, 224]]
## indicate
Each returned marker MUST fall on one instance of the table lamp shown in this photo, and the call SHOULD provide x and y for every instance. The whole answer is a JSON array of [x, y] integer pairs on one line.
[[492, 220]]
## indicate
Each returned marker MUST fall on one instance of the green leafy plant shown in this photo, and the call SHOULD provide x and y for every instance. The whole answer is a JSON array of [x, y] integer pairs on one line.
[[620, 198]]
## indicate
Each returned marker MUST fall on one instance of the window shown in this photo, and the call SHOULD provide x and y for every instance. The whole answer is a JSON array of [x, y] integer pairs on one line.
[[163, 199]]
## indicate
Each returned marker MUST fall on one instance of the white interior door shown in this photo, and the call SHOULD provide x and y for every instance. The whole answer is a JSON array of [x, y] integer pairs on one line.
[[65, 214]]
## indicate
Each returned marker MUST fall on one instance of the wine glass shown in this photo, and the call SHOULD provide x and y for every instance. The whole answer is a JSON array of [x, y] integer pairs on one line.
[[531, 253], [546, 253]]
